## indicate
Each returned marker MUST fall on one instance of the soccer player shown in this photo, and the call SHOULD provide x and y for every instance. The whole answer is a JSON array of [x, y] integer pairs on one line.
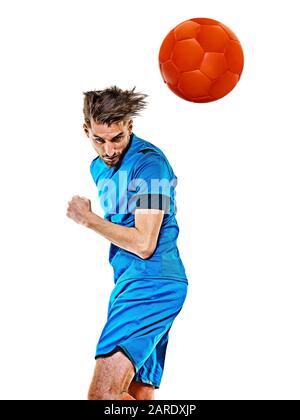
[[136, 188]]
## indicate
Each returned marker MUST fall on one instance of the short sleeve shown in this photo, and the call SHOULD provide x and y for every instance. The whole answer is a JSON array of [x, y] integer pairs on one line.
[[152, 183]]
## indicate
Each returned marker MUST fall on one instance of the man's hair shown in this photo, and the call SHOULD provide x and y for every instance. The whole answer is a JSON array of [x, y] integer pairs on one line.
[[112, 105]]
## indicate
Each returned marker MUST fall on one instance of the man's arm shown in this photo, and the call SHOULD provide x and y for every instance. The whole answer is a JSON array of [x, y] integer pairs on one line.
[[140, 239]]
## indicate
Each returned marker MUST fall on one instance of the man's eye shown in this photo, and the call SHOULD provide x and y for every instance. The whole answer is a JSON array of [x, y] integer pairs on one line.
[[117, 139]]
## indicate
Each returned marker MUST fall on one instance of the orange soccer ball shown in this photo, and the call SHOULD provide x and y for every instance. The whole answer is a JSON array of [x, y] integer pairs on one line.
[[201, 60]]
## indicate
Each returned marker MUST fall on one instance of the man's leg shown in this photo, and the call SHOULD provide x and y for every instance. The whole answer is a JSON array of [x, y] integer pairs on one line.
[[112, 377], [141, 391]]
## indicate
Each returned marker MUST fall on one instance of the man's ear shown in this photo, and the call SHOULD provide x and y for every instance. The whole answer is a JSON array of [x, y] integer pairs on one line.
[[86, 130], [130, 125]]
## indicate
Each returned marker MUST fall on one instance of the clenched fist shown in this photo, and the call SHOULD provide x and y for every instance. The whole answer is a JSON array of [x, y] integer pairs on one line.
[[79, 210]]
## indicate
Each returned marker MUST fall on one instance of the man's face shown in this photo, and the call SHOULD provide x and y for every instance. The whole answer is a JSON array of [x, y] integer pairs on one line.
[[109, 142]]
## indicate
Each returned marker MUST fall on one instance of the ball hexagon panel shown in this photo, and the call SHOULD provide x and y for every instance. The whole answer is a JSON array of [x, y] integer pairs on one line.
[[234, 57], [223, 85], [187, 55], [194, 83], [186, 30], [167, 47], [212, 38], [170, 72], [214, 65]]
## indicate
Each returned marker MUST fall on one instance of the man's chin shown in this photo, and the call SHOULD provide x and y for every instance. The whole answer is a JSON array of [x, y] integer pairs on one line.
[[111, 163]]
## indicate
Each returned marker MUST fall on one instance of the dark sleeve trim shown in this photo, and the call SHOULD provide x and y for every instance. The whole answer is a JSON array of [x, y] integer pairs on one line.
[[153, 201], [145, 151]]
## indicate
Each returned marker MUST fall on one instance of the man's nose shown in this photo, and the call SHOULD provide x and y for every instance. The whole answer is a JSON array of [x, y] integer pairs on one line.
[[109, 150]]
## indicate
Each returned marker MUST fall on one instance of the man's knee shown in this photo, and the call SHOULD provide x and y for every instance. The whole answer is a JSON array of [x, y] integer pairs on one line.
[[141, 391], [112, 376]]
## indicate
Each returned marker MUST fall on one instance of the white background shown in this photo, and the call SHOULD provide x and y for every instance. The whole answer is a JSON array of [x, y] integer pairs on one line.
[[237, 162]]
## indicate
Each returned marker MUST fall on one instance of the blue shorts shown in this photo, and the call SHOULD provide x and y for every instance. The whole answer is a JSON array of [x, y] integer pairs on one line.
[[140, 315]]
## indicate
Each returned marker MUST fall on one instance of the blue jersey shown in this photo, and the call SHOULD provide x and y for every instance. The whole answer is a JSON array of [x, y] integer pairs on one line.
[[142, 179]]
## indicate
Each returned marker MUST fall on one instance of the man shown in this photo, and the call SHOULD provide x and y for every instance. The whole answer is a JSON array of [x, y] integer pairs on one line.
[[136, 189]]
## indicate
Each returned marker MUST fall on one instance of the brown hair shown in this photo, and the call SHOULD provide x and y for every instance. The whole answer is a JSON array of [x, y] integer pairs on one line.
[[112, 105]]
